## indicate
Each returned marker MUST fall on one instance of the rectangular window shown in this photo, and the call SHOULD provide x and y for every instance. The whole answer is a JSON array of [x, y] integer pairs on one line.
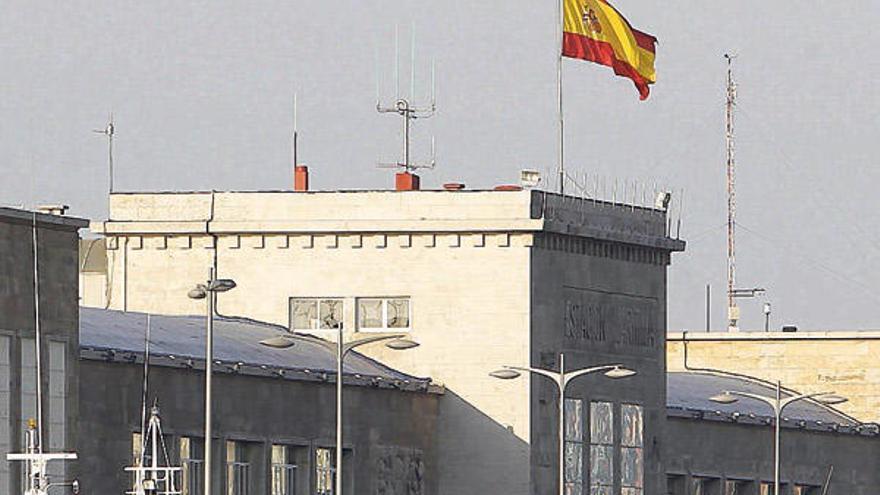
[[736, 487], [57, 413], [325, 471], [632, 468], [238, 470], [384, 314], [601, 448], [675, 484], [766, 488], [283, 471], [316, 314], [191, 461], [706, 486], [806, 490], [574, 447]]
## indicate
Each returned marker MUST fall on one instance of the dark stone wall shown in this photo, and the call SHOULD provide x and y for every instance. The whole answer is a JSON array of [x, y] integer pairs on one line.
[[716, 449], [57, 248], [599, 302], [390, 433]]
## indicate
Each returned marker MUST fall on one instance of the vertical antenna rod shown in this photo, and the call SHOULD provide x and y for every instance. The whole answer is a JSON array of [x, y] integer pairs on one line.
[[560, 41], [732, 310], [109, 131], [295, 137], [38, 341]]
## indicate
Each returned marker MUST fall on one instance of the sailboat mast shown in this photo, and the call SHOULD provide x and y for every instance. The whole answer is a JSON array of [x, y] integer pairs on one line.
[[38, 340], [732, 309]]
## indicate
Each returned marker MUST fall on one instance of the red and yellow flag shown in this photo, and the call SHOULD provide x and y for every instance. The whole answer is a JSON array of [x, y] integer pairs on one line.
[[594, 30]]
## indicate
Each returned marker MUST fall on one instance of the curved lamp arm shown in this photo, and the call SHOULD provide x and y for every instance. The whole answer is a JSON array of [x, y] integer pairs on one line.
[[557, 379], [796, 398], [348, 346], [567, 377], [766, 400]]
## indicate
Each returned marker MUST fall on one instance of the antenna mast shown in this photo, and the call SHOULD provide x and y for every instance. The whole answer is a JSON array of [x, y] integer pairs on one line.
[[732, 309], [109, 131], [406, 108], [295, 137]]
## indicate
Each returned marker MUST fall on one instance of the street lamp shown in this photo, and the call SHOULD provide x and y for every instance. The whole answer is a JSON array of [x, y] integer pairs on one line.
[[208, 291], [562, 379], [342, 347], [778, 404]]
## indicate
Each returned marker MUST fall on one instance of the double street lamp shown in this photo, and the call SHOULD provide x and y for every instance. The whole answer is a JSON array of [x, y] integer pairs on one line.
[[208, 291], [778, 404], [562, 378], [342, 347]]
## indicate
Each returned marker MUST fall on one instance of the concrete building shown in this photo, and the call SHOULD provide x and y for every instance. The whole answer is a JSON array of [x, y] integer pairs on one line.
[[810, 361], [484, 279], [56, 248], [481, 279], [274, 410]]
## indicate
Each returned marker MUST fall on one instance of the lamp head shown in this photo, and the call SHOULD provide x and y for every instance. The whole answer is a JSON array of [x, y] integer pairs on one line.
[[724, 398], [278, 342], [831, 399], [198, 292], [620, 372], [221, 285], [401, 344], [505, 374]]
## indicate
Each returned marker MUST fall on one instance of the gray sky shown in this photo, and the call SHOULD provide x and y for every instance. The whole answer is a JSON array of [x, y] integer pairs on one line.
[[202, 97]]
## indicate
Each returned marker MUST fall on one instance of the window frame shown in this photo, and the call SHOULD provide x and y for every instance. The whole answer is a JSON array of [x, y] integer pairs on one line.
[[608, 447], [629, 489], [580, 484], [384, 328], [317, 300]]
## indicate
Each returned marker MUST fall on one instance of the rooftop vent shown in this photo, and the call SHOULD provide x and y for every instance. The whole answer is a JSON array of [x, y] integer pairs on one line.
[[301, 178], [406, 181], [509, 187], [789, 328], [59, 210], [453, 186]]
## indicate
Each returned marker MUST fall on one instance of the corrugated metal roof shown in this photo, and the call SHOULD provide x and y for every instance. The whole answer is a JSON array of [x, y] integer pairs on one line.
[[235, 341], [690, 391]]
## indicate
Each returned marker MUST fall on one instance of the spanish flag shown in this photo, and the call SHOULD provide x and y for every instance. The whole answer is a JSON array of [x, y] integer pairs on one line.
[[594, 30]]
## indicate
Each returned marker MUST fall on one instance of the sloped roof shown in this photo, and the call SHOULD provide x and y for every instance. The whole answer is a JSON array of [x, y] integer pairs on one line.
[[108, 334], [688, 395]]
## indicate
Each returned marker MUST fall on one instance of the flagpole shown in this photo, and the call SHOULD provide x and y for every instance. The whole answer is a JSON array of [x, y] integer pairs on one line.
[[560, 41]]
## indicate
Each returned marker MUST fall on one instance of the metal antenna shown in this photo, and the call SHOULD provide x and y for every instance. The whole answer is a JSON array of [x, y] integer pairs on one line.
[[408, 110], [732, 310], [295, 136], [109, 131]]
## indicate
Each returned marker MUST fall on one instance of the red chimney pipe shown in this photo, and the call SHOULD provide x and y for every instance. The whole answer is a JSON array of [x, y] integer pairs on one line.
[[406, 181], [301, 178]]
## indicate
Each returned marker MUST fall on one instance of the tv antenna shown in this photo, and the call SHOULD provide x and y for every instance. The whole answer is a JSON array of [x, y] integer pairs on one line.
[[109, 131], [406, 107], [733, 293], [294, 138]]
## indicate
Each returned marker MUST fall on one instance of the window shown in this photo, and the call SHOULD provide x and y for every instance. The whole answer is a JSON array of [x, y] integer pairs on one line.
[[325, 472], [705, 486], [138, 456], [191, 466], [632, 468], [316, 314], [283, 471], [574, 447], [384, 314], [806, 490], [766, 488], [675, 484], [601, 448], [738, 487], [238, 470]]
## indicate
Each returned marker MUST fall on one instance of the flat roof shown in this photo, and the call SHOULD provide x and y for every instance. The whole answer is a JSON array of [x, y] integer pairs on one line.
[[17, 215], [720, 336]]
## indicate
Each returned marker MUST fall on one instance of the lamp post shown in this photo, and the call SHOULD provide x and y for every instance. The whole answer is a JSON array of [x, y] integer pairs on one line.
[[778, 404], [562, 379], [208, 291], [342, 347]]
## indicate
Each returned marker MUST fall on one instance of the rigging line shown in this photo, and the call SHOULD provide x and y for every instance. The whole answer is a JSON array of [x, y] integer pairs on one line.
[[144, 396], [840, 276], [787, 163]]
